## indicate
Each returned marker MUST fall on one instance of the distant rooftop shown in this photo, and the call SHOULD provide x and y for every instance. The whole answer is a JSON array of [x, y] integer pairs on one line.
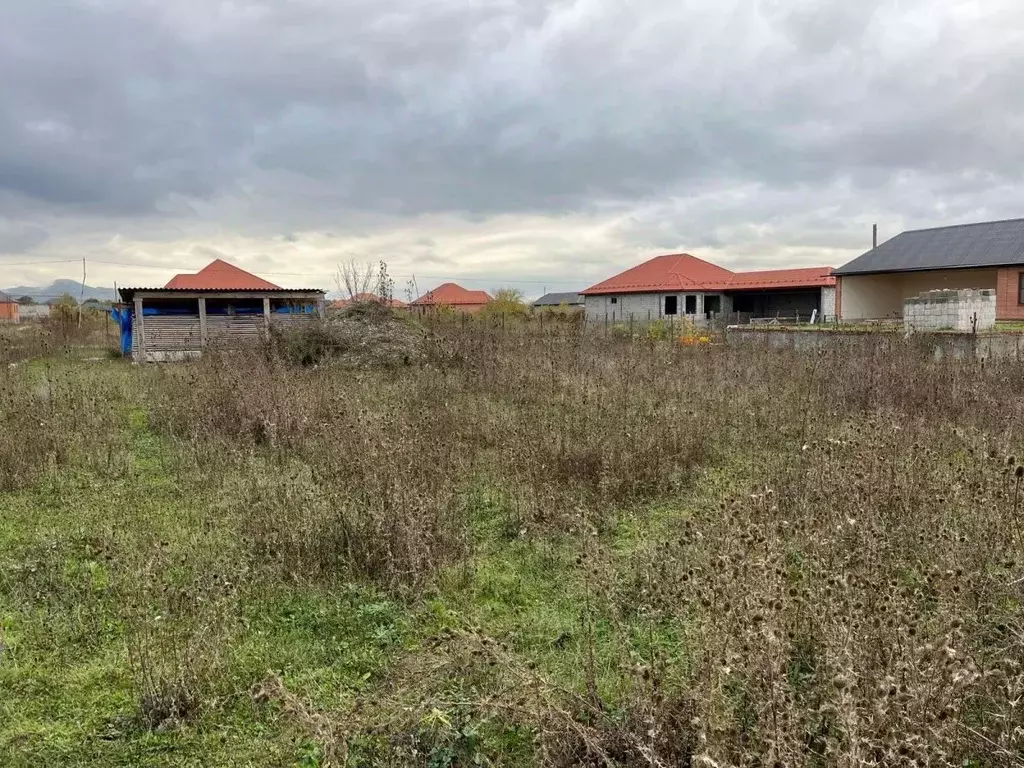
[[452, 294], [365, 297], [558, 299]]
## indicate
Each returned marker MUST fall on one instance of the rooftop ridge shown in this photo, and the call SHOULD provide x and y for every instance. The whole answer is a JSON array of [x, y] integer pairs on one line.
[[962, 226]]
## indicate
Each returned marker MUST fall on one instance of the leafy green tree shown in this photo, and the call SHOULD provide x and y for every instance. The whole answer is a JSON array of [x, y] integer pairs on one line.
[[507, 301]]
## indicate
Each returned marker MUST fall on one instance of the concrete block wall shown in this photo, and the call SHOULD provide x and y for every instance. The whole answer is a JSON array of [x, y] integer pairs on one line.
[[828, 304], [641, 306], [951, 310]]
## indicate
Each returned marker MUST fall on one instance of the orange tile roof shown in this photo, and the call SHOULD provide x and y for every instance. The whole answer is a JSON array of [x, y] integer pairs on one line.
[[218, 275], [453, 295], [672, 272], [809, 277], [683, 272], [362, 297]]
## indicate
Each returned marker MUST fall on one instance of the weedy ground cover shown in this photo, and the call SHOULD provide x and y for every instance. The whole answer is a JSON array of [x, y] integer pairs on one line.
[[524, 547]]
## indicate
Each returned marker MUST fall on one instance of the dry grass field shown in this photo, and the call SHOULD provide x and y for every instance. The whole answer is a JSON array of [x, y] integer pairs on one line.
[[519, 548]]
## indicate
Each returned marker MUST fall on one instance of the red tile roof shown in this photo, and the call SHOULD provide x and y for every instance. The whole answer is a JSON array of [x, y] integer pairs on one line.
[[673, 272], [810, 277], [362, 297], [683, 272], [218, 275], [452, 295]]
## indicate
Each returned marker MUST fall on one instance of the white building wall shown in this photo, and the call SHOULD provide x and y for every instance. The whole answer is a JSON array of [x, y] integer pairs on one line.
[[34, 311], [873, 297]]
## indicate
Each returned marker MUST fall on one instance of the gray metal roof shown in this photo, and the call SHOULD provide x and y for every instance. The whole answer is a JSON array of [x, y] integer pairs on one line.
[[986, 244], [557, 299]]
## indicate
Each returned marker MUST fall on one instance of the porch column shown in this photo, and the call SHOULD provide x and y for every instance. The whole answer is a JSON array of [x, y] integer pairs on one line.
[[142, 331], [320, 307], [266, 317], [202, 322]]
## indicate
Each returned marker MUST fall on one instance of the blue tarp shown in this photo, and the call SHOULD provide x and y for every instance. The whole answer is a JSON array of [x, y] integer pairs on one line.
[[123, 317]]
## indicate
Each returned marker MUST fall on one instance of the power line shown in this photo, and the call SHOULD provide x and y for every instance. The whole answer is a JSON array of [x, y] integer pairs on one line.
[[33, 263]]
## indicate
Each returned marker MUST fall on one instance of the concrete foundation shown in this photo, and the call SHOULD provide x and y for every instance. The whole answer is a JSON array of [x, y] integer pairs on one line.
[[951, 345]]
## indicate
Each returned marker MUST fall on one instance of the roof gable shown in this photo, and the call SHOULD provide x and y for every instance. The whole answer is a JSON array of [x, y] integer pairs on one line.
[[453, 294], [218, 275], [984, 244], [672, 272]]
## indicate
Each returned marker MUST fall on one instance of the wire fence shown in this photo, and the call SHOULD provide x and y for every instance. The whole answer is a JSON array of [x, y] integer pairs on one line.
[[613, 323]]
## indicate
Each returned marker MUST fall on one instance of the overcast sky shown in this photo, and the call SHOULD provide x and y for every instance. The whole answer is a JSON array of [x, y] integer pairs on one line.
[[543, 144]]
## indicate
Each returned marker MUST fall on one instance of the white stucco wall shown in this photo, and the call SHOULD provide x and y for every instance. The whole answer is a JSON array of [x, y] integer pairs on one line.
[[872, 297]]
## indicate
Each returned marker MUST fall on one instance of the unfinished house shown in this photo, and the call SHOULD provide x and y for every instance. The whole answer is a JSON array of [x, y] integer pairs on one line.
[[988, 256], [680, 285], [219, 305]]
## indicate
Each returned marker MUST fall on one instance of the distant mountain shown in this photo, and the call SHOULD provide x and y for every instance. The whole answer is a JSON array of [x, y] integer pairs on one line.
[[58, 288]]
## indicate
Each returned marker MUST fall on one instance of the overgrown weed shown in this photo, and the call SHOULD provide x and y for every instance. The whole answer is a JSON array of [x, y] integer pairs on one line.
[[742, 556]]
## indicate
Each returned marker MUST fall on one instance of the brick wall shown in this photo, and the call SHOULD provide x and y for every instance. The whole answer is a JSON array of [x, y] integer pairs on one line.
[[1008, 306]]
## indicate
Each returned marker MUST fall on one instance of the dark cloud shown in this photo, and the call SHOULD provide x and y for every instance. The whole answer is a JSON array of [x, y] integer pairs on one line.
[[20, 237], [271, 116]]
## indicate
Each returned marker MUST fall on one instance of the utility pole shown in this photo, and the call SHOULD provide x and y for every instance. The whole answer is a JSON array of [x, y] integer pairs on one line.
[[874, 236], [81, 296]]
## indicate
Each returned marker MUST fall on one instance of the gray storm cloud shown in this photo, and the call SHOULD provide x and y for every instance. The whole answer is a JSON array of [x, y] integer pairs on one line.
[[754, 125]]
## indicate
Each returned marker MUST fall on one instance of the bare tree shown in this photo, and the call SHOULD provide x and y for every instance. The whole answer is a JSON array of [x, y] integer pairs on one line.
[[385, 285], [412, 290], [353, 278]]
